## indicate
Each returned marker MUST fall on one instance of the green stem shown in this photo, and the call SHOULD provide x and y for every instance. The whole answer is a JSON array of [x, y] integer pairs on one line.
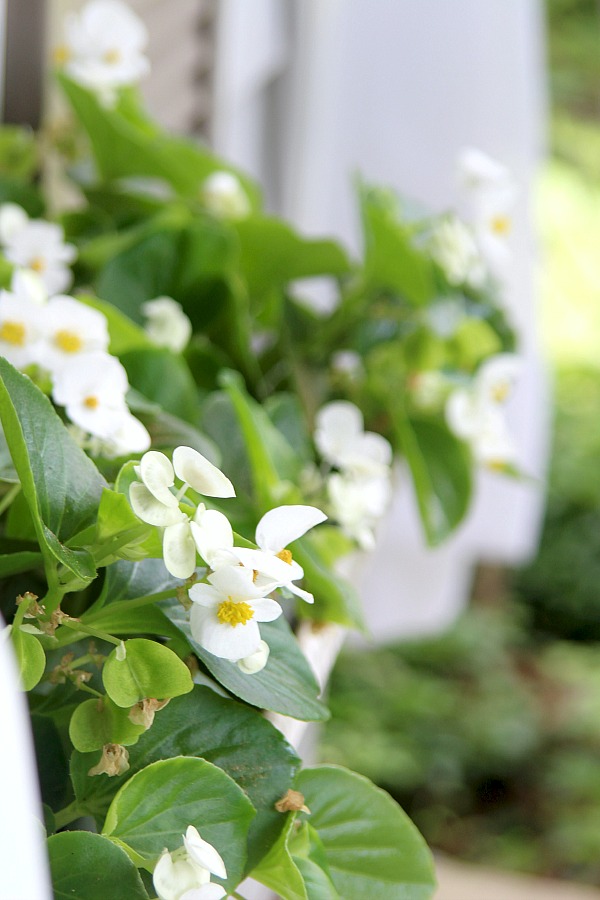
[[9, 497], [114, 544], [67, 815], [89, 690], [134, 603], [88, 629]]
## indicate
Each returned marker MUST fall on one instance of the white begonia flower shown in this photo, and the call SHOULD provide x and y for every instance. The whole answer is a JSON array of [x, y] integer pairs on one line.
[[213, 536], [225, 613], [224, 196], [342, 441], [455, 249], [251, 665], [27, 285], [72, 330], [21, 330], [475, 413], [203, 853], [490, 198], [167, 325], [272, 561], [154, 503], [40, 246], [358, 503], [103, 47], [348, 363], [13, 219]]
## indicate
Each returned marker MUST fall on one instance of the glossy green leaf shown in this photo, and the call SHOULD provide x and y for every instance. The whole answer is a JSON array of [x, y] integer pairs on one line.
[[371, 846], [20, 561], [86, 866], [286, 685], [95, 723], [440, 465], [60, 483], [164, 378], [30, 656], [279, 872], [118, 527], [227, 733], [154, 808], [149, 669]]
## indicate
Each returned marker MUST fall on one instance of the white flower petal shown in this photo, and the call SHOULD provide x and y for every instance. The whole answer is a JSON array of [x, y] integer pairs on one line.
[[13, 219], [203, 853], [273, 568], [205, 595], [209, 891], [235, 581], [336, 425], [173, 879], [223, 640], [265, 609], [213, 535], [179, 550], [200, 474], [157, 474], [284, 524], [151, 510]]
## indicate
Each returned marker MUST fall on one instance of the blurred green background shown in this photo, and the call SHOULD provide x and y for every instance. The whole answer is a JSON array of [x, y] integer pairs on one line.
[[490, 735]]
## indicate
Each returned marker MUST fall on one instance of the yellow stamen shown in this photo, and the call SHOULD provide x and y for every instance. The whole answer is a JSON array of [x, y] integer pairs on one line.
[[13, 333], [232, 613], [38, 264], [500, 392], [68, 341], [286, 556], [91, 402], [112, 56], [501, 225], [61, 55]]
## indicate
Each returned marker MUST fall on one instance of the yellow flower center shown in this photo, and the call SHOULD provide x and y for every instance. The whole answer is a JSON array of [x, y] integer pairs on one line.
[[286, 556], [68, 341], [61, 55], [112, 57], [500, 392], [38, 264], [91, 402], [232, 613], [13, 333], [501, 225]]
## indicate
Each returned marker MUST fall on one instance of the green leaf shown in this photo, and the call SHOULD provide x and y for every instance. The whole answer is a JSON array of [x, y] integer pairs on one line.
[[392, 262], [20, 561], [95, 723], [164, 378], [286, 685], [30, 656], [86, 866], [279, 872], [440, 465], [228, 734], [126, 143], [148, 670], [60, 483], [317, 883], [336, 600], [125, 335], [371, 846], [116, 521], [272, 254], [154, 808]]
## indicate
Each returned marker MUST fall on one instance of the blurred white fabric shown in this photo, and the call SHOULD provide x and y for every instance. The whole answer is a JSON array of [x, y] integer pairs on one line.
[[310, 92]]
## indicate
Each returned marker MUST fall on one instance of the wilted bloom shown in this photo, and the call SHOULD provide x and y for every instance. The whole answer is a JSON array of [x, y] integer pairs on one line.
[[475, 413], [224, 196], [225, 613], [114, 761], [185, 874], [103, 47], [342, 441], [167, 325], [37, 245]]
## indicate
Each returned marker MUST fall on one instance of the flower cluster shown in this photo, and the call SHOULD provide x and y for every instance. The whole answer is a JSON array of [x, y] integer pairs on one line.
[[64, 338], [359, 491], [470, 253], [228, 606], [185, 873], [476, 413], [103, 47]]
